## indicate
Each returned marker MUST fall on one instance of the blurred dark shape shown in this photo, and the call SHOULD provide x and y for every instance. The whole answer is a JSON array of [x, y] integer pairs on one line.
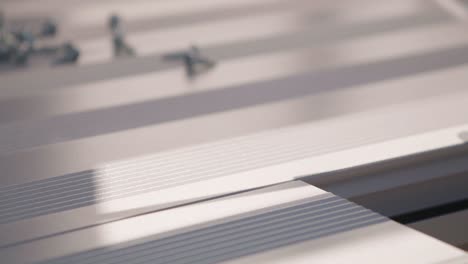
[[120, 46], [67, 54], [22, 52], [194, 62], [17, 45], [7, 46], [14, 47], [49, 29], [26, 41]]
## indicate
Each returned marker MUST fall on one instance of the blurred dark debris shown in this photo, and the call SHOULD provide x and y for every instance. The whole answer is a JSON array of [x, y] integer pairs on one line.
[[18, 43], [194, 62], [120, 46]]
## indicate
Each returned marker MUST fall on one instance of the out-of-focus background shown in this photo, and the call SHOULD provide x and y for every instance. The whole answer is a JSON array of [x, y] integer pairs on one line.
[[127, 125]]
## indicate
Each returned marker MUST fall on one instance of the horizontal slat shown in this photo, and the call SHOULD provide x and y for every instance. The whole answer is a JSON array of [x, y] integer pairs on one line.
[[289, 216]]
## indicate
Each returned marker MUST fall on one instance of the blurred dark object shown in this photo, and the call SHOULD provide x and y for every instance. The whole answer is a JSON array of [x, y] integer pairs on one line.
[[120, 46], [194, 62], [18, 44], [49, 29], [67, 54]]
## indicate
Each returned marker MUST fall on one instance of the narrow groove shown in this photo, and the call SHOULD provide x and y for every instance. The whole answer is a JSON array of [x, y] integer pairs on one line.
[[125, 179], [161, 156], [268, 233], [137, 190], [216, 231], [50, 209], [178, 152], [236, 238], [115, 192], [262, 232], [273, 160], [289, 240], [207, 150]]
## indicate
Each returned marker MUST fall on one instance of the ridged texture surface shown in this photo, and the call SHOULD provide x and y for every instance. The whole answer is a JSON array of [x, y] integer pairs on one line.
[[186, 165], [47, 196], [230, 239]]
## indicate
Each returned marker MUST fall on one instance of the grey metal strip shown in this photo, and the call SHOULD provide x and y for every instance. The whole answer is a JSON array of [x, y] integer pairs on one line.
[[44, 197], [178, 167], [154, 172], [233, 239], [77, 125]]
